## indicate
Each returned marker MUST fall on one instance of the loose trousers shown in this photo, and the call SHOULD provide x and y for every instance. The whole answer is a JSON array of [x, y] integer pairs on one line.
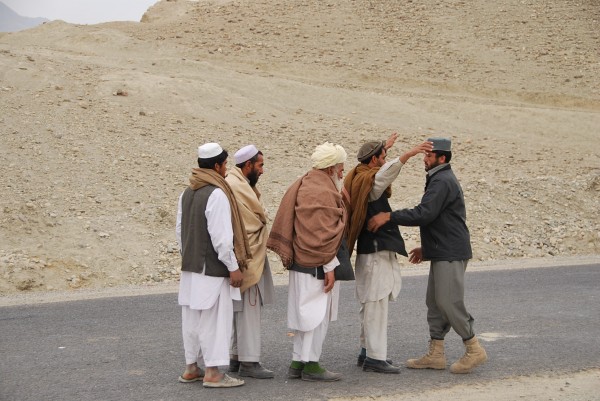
[[308, 345], [445, 300], [207, 332], [245, 341], [373, 328]]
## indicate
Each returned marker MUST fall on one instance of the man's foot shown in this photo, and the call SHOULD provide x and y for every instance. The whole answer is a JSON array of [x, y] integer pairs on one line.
[[295, 370], [325, 376], [362, 355], [474, 356], [255, 370], [234, 366], [226, 381], [379, 366], [190, 377], [433, 359], [313, 372]]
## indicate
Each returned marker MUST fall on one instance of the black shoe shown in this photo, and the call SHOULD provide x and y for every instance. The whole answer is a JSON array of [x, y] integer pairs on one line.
[[379, 366], [234, 365], [361, 360]]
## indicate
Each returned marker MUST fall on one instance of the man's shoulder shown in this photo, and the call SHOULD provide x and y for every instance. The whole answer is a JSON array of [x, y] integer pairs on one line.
[[205, 189]]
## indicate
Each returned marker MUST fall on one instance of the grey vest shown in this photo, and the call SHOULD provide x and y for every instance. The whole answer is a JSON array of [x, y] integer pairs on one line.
[[197, 249], [387, 238]]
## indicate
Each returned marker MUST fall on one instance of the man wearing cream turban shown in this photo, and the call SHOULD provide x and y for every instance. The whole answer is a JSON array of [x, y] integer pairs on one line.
[[307, 234]]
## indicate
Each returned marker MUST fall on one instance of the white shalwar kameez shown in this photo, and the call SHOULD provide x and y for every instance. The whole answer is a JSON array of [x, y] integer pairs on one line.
[[310, 309], [206, 301], [378, 278]]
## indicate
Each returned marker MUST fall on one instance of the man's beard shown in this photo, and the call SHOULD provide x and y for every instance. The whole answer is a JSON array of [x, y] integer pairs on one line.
[[432, 165], [339, 183], [253, 178]]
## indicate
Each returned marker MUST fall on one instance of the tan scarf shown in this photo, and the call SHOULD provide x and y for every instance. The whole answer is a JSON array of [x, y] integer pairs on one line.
[[253, 215], [358, 183], [310, 221], [202, 177]]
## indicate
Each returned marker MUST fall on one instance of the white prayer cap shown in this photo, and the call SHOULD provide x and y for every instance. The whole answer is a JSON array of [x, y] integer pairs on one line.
[[327, 155], [209, 150], [244, 154]]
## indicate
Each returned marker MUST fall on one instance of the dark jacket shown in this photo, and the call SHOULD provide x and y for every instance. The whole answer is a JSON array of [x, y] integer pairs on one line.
[[441, 216]]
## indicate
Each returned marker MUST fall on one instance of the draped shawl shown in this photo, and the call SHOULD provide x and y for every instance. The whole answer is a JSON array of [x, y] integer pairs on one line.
[[253, 215], [203, 176], [310, 221], [358, 184]]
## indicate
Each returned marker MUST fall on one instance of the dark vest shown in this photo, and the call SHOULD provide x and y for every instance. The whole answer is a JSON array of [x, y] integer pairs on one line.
[[197, 249], [387, 238]]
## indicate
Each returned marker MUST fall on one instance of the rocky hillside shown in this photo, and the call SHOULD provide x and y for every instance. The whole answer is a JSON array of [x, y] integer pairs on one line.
[[100, 123]]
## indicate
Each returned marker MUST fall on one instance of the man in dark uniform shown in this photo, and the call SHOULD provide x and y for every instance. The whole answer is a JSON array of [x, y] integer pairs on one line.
[[445, 241]]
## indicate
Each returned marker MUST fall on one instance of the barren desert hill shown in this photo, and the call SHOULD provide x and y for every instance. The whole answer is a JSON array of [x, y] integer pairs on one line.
[[101, 122], [465, 47]]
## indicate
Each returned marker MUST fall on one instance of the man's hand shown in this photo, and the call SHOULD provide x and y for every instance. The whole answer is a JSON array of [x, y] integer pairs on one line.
[[329, 281], [390, 141], [236, 278], [378, 220], [422, 148], [416, 255]]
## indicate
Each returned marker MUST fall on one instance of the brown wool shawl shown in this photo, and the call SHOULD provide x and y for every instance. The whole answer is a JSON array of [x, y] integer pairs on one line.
[[202, 177], [358, 183], [310, 221]]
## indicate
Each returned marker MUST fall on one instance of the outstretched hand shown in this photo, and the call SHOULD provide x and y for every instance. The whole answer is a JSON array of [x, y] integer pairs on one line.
[[416, 255], [377, 221], [421, 148], [390, 141]]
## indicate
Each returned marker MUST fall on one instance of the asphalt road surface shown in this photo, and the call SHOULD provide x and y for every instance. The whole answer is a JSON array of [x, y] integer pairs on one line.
[[531, 321]]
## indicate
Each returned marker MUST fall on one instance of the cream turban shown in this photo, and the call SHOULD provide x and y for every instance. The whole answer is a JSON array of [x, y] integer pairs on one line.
[[327, 155]]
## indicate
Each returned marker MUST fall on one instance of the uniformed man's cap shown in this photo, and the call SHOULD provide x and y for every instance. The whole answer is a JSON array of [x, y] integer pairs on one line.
[[441, 144]]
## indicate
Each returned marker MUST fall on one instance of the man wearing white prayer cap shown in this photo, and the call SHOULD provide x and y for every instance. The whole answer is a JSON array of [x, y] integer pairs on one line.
[[308, 233], [214, 251], [257, 289]]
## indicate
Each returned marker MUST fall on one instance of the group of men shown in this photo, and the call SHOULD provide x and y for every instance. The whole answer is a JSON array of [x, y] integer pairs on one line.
[[322, 219]]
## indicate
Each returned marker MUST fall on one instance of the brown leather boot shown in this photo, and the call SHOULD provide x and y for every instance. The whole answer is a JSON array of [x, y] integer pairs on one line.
[[474, 356], [434, 359]]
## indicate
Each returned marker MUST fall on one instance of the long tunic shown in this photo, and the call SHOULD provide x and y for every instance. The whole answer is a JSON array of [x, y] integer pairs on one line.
[[307, 301], [199, 291]]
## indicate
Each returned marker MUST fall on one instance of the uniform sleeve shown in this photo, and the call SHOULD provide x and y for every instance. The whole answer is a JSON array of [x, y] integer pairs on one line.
[[384, 178], [428, 210], [218, 217]]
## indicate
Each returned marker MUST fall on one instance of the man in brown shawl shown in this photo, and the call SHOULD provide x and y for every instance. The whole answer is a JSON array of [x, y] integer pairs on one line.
[[214, 251], [307, 233], [257, 288], [378, 277]]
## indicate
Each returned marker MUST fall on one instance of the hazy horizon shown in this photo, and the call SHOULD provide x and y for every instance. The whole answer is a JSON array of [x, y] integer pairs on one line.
[[81, 11]]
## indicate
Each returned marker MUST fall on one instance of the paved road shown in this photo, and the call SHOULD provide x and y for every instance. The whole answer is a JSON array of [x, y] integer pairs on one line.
[[543, 320]]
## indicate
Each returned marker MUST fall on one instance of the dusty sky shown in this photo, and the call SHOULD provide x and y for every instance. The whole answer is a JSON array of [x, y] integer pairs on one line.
[[82, 11]]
